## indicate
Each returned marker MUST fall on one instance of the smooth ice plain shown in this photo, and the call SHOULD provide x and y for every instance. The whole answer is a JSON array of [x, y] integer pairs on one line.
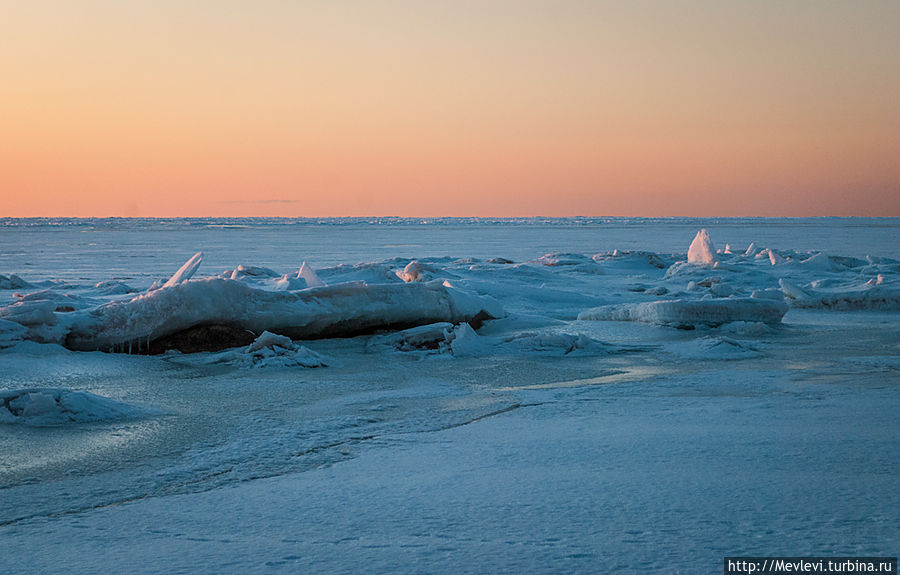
[[538, 395]]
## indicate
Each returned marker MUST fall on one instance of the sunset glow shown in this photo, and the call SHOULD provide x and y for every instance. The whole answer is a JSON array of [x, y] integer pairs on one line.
[[412, 108]]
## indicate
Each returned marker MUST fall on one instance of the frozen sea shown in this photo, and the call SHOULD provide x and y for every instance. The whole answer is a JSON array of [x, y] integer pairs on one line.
[[620, 410]]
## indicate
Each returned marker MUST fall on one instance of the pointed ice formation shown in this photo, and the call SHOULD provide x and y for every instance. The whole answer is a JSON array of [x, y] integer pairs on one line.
[[702, 250], [186, 271], [312, 278]]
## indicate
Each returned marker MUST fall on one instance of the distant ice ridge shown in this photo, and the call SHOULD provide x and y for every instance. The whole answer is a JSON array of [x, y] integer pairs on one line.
[[692, 313], [13, 281], [47, 407], [874, 294], [463, 341]]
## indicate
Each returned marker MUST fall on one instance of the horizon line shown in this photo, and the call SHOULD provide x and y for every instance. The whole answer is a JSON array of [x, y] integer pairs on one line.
[[399, 217]]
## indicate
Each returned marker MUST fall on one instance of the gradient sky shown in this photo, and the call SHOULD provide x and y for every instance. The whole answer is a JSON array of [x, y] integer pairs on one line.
[[427, 108]]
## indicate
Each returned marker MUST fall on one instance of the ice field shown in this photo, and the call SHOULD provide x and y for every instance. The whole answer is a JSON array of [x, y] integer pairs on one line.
[[451, 395]]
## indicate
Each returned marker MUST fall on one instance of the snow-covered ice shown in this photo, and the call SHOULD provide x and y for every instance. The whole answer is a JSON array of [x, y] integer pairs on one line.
[[447, 396], [266, 351], [691, 313], [44, 407], [342, 309]]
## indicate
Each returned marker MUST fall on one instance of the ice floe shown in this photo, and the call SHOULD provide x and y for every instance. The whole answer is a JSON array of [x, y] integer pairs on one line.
[[47, 407], [269, 350], [339, 310]]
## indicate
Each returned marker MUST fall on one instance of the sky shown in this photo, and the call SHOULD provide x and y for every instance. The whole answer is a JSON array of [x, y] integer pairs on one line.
[[449, 108]]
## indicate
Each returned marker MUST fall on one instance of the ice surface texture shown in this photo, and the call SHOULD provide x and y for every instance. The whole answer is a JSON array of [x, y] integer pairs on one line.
[[46, 407]]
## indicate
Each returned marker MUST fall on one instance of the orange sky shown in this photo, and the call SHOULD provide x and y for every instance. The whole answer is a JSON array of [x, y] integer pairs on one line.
[[464, 107]]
